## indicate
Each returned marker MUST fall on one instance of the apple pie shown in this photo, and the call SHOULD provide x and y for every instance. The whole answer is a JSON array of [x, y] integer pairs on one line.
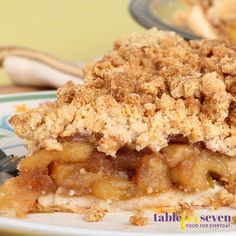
[[210, 18], [153, 126]]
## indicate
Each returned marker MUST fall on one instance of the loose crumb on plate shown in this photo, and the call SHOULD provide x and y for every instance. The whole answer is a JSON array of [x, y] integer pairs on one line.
[[234, 219], [185, 209], [138, 219], [94, 214]]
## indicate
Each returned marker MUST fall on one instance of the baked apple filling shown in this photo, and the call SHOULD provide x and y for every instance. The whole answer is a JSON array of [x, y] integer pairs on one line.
[[80, 170], [132, 173]]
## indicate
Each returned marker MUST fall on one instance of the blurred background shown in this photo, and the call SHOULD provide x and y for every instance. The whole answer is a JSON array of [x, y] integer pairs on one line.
[[74, 30], [81, 31]]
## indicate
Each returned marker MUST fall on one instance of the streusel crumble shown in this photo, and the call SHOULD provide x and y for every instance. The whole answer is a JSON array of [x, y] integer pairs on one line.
[[149, 88]]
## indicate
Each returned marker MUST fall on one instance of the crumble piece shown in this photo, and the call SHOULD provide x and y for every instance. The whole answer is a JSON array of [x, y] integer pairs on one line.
[[149, 88], [185, 208], [94, 214], [138, 219], [223, 198], [234, 219]]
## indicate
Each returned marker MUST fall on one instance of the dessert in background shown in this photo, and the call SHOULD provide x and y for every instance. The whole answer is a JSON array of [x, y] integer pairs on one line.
[[214, 19]]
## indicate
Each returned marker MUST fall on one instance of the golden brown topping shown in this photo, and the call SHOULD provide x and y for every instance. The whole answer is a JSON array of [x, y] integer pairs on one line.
[[150, 87], [232, 114]]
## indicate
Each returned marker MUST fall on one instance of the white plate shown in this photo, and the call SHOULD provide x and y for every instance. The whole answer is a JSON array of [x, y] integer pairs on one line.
[[72, 224]]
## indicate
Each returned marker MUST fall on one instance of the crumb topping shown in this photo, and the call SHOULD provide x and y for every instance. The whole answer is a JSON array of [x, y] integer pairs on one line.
[[150, 87]]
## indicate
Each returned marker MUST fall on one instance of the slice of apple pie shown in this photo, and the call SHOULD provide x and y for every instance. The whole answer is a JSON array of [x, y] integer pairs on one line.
[[153, 126]]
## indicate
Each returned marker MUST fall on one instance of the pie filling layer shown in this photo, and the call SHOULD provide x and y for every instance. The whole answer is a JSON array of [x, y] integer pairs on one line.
[[80, 170]]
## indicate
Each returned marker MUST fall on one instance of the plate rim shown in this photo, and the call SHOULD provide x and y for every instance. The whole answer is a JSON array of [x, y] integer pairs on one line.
[[26, 227], [35, 95]]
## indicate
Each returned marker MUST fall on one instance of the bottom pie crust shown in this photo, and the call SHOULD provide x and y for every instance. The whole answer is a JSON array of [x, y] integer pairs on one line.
[[172, 199]]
